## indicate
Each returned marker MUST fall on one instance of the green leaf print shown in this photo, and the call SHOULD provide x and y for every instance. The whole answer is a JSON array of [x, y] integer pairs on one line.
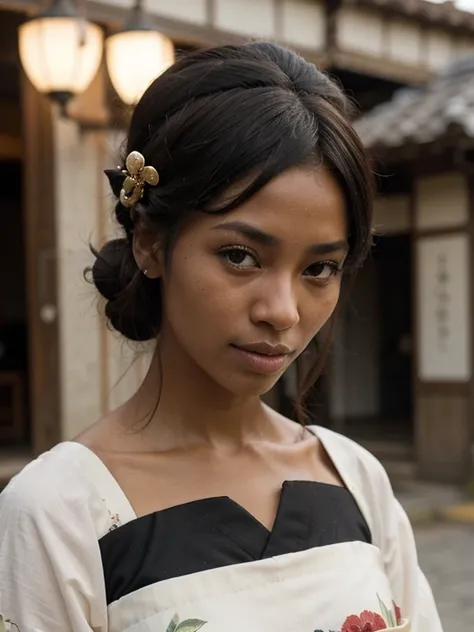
[[11, 625], [190, 625], [172, 626], [387, 614]]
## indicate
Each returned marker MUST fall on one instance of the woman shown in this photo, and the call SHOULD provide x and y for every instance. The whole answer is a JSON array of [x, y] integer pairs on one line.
[[245, 198]]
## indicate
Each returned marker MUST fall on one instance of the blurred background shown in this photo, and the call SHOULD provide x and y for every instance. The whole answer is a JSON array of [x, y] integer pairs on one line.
[[400, 378]]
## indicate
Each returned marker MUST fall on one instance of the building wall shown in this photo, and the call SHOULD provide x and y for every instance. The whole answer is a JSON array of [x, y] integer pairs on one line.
[[401, 40], [443, 325], [98, 368], [443, 297], [442, 201], [77, 196]]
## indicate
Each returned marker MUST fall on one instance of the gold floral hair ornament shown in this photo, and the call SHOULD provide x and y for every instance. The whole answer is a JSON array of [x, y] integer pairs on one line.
[[137, 175]]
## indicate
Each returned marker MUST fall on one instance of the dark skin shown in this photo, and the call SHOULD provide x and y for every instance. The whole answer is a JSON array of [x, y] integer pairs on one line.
[[270, 272]]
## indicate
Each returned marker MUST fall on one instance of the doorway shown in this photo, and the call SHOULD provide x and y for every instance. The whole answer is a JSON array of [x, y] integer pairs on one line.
[[371, 394], [14, 374], [15, 429], [393, 257]]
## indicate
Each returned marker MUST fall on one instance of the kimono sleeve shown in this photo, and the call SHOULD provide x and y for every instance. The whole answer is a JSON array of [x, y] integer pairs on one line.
[[390, 527], [408, 581], [51, 577]]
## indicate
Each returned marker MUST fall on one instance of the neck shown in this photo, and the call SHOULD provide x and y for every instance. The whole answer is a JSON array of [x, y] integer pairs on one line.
[[190, 408]]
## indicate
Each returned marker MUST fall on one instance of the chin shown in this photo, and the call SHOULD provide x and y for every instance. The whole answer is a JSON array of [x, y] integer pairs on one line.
[[251, 385]]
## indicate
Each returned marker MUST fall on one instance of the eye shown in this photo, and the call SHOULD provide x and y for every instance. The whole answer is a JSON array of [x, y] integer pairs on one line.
[[323, 270], [238, 256]]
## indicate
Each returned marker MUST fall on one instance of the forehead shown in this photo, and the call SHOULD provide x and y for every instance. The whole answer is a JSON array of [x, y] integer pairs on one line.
[[303, 203]]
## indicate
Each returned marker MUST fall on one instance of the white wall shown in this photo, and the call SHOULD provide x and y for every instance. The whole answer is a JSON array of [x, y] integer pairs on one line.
[[98, 370], [443, 309], [77, 194], [368, 31], [298, 22], [442, 201], [361, 31], [443, 277]]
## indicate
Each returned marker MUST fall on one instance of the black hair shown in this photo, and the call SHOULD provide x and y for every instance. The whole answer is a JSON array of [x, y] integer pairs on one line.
[[218, 117]]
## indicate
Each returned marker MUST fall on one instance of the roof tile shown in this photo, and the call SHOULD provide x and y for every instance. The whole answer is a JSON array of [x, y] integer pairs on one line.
[[424, 115]]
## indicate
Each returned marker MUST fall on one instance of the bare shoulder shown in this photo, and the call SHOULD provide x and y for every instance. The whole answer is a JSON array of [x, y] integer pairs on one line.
[[311, 449], [117, 444], [98, 434], [108, 435], [288, 430]]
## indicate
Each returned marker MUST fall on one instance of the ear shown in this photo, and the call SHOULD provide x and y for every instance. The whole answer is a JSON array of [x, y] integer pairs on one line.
[[147, 252]]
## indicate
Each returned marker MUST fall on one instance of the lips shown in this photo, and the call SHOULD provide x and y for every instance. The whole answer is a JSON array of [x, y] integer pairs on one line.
[[262, 357], [265, 348]]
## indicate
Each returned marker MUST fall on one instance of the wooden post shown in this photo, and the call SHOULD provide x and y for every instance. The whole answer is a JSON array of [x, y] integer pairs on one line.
[[41, 266]]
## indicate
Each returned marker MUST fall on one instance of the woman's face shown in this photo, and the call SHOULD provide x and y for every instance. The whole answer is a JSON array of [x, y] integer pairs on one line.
[[245, 292]]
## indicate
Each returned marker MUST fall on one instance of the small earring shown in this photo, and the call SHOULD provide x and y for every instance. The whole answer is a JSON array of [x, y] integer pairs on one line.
[[145, 272]]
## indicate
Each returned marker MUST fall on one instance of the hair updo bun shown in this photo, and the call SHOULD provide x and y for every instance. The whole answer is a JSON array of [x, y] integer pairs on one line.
[[117, 277], [108, 268], [232, 114]]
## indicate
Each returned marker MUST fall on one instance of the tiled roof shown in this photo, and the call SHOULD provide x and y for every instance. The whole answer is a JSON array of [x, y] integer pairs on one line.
[[417, 116], [444, 14]]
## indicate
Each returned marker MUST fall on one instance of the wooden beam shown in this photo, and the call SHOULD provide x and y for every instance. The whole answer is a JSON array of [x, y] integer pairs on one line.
[[381, 67]]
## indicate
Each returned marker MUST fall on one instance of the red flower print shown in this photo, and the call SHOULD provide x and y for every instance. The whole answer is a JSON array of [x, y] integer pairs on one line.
[[398, 613], [365, 622]]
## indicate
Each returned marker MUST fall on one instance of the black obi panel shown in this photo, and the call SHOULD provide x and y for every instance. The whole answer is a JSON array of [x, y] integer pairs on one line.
[[217, 532]]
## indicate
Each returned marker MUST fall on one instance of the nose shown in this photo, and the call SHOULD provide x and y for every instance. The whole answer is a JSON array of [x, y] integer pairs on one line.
[[276, 304]]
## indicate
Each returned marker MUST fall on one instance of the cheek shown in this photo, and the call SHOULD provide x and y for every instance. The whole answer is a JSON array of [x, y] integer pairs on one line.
[[198, 296], [319, 309]]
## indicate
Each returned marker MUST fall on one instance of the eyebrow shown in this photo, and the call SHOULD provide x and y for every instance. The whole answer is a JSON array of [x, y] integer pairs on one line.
[[265, 239]]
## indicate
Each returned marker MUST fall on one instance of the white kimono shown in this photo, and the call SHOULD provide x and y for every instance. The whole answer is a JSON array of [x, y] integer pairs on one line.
[[74, 556]]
